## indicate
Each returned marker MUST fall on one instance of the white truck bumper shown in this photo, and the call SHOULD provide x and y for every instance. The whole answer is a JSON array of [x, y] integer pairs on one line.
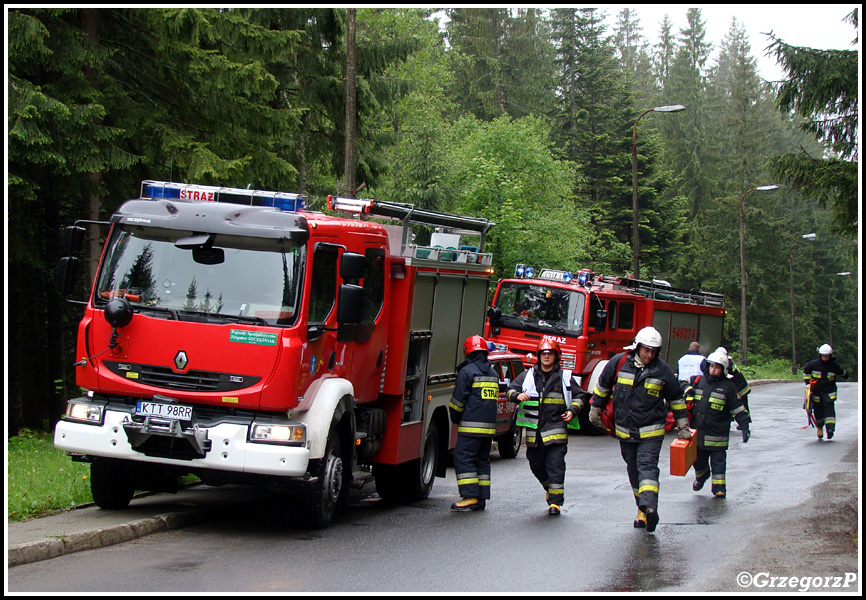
[[230, 450]]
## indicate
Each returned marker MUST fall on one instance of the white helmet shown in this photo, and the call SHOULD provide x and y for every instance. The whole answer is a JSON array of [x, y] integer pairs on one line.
[[720, 358], [721, 350], [825, 349], [649, 337]]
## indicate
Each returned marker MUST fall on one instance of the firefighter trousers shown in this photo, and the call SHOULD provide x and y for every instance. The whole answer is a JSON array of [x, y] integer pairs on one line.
[[472, 466], [824, 411], [547, 463], [642, 464], [715, 462]]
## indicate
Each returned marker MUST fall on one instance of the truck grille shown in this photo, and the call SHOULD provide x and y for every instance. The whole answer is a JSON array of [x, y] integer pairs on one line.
[[193, 381]]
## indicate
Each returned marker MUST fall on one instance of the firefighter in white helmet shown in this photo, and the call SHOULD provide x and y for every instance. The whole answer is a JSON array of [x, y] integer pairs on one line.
[[643, 388], [820, 375], [716, 402]]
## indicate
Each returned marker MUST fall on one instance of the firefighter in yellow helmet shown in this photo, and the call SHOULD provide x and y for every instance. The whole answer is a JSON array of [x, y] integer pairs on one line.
[[642, 388], [473, 409], [549, 398]]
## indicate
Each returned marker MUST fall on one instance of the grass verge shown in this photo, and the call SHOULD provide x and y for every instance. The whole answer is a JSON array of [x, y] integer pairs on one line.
[[42, 479]]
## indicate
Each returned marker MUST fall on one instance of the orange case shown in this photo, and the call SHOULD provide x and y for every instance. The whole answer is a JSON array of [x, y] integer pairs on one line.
[[683, 454]]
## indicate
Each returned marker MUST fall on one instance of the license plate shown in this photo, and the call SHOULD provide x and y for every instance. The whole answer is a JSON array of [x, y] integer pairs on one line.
[[176, 412]]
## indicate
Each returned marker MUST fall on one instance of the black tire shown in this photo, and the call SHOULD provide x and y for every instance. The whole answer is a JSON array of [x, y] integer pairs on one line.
[[111, 483], [416, 476], [387, 482], [329, 494], [509, 444]]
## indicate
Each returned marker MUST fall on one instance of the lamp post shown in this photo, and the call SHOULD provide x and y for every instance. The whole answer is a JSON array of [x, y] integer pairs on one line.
[[830, 306], [635, 236], [744, 340], [807, 236]]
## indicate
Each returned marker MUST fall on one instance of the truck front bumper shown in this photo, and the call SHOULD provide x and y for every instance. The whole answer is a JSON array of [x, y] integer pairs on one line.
[[228, 448]]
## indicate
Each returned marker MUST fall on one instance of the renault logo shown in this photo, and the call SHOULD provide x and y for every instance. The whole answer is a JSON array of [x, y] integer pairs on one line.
[[180, 360]]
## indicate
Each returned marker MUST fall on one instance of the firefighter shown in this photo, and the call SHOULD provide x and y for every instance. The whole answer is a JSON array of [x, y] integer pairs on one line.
[[716, 402], [549, 398], [820, 374], [642, 388], [473, 410], [739, 380]]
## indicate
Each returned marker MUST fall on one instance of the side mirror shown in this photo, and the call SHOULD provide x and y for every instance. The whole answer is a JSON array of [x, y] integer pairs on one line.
[[73, 238], [351, 304], [494, 313], [352, 266], [66, 274]]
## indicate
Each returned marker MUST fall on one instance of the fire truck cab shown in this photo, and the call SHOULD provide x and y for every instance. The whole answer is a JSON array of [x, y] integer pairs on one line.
[[593, 317]]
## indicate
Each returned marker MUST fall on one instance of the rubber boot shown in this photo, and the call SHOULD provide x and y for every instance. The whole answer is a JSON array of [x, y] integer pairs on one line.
[[830, 431], [468, 505], [820, 433], [640, 520], [553, 510], [652, 519], [698, 485]]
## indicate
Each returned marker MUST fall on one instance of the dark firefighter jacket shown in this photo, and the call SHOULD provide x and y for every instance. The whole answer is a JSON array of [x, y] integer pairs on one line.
[[716, 402], [824, 372], [473, 402], [551, 394], [641, 397]]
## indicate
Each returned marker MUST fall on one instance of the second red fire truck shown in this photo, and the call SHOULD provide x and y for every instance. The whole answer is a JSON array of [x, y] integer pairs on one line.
[[594, 316]]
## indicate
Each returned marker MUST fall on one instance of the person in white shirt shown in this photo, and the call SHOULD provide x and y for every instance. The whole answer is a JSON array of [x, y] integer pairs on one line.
[[689, 364]]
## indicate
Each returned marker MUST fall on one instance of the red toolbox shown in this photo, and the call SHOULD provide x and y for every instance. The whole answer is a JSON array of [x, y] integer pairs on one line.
[[683, 454]]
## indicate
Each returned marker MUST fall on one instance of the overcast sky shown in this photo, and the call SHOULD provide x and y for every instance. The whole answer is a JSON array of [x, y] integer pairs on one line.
[[813, 25]]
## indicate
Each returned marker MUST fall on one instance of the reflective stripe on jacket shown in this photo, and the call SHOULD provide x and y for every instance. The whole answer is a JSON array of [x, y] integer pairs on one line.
[[474, 400], [716, 403], [541, 415]]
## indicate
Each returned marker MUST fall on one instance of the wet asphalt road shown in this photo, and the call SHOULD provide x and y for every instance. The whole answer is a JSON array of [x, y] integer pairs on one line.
[[511, 547]]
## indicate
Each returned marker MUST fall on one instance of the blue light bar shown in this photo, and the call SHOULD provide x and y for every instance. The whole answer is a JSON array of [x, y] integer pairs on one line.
[[518, 271], [212, 193], [529, 272]]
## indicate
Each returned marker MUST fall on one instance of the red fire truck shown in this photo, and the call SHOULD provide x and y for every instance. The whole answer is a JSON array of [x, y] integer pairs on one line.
[[594, 316], [237, 336]]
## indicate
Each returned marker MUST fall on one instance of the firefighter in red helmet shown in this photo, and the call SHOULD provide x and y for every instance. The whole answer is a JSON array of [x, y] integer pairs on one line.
[[549, 397], [473, 409]]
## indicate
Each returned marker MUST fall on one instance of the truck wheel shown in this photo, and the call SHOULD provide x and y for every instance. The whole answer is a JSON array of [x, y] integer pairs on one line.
[[416, 476], [111, 483], [387, 482], [330, 492], [509, 444]]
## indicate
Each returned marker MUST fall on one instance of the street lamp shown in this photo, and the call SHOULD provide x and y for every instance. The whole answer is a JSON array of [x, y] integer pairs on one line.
[[811, 237], [635, 236], [744, 348], [830, 306]]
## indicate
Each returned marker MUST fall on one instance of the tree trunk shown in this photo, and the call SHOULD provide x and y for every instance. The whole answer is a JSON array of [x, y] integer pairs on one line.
[[350, 104]]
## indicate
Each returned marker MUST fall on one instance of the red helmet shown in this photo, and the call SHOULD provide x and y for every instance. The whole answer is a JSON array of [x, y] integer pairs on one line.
[[473, 343], [547, 344]]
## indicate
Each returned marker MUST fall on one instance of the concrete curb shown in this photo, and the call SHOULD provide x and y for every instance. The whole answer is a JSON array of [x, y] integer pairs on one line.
[[99, 538]]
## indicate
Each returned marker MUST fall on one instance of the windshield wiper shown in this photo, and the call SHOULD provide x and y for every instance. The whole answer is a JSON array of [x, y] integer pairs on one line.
[[172, 313]]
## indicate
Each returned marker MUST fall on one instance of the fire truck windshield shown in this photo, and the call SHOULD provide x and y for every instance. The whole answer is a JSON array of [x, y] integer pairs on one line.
[[223, 278], [541, 307]]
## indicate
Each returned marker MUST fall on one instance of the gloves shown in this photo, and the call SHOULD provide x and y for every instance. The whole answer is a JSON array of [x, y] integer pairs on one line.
[[746, 435], [595, 417], [684, 432]]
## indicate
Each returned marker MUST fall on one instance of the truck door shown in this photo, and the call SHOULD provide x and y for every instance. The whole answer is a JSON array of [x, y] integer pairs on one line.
[[368, 357]]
